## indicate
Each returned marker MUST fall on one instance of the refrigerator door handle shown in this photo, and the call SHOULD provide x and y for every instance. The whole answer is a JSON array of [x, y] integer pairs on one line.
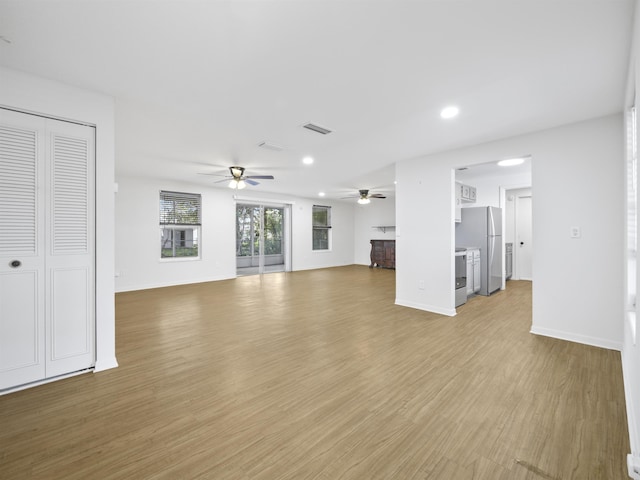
[[490, 254], [492, 222]]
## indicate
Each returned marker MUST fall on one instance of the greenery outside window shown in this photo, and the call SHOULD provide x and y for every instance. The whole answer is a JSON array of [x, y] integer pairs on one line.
[[180, 215], [248, 229], [321, 227]]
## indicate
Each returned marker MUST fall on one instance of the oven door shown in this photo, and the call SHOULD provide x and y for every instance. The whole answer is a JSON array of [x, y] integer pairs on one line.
[[461, 269]]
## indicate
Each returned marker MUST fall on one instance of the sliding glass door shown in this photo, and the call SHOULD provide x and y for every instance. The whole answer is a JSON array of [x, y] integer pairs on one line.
[[262, 234]]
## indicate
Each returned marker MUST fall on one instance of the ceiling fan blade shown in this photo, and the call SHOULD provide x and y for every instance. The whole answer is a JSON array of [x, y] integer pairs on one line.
[[263, 177], [377, 195], [223, 180], [251, 182], [213, 174]]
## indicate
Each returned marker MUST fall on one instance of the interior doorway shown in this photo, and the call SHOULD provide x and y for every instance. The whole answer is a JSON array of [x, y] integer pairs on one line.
[[519, 231], [510, 188], [262, 238]]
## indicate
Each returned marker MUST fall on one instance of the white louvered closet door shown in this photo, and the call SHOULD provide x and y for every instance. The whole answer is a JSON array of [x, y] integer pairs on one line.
[[46, 248], [22, 248], [69, 309]]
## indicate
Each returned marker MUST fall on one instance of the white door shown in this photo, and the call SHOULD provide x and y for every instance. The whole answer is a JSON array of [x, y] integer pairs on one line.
[[22, 248], [70, 231], [523, 248], [46, 248]]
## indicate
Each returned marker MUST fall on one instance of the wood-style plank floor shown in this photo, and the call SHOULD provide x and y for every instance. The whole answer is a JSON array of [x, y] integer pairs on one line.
[[318, 375]]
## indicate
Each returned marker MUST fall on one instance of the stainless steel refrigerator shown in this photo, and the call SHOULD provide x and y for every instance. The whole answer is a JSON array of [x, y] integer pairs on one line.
[[482, 227]]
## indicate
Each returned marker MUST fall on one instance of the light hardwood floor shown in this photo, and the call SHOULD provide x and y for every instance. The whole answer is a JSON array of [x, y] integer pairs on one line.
[[317, 374]]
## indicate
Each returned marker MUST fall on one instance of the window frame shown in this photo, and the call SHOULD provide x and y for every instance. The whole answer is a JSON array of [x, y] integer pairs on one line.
[[324, 227], [176, 221]]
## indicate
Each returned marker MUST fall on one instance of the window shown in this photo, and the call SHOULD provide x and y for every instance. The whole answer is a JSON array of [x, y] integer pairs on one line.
[[321, 227], [180, 215]]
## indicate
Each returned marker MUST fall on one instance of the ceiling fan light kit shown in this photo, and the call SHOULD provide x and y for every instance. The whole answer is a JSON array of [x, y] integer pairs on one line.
[[364, 197], [238, 180], [237, 184]]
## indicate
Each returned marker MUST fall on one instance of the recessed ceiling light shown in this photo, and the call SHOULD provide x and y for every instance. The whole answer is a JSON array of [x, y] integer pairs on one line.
[[321, 194], [510, 162], [449, 112], [307, 160]]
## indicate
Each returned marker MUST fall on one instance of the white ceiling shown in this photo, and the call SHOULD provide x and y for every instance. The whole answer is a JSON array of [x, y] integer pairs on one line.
[[199, 84]]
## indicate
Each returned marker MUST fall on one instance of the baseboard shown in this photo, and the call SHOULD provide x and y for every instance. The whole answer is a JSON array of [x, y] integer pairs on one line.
[[44, 381], [133, 288], [105, 364], [573, 337], [427, 308]]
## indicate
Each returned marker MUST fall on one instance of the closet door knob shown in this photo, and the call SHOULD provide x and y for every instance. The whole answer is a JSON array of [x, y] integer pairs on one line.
[[15, 263]]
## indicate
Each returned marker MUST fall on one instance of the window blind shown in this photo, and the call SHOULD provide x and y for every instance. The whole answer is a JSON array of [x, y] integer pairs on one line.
[[177, 208]]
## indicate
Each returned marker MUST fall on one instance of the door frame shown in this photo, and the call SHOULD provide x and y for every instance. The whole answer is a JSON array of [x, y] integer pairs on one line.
[[517, 259], [503, 202], [286, 226], [56, 363]]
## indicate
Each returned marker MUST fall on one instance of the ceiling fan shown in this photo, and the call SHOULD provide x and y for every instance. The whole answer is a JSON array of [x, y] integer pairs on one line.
[[365, 197], [238, 180]]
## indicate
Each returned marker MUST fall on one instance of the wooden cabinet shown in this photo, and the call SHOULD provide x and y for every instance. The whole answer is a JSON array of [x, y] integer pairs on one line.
[[383, 253]]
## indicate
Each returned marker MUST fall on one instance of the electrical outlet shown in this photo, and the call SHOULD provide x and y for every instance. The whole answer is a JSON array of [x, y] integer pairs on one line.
[[575, 232], [421, 285]]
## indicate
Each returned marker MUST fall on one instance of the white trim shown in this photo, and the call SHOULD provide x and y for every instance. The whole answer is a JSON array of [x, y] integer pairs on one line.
[[24, 386], [427, 308], [631, 414], [572, 337], [269, 202], [105, 364], [633, 466], [173, 283], [178, 259]]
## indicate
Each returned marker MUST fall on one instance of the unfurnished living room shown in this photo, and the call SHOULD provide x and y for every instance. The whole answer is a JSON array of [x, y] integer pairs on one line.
[[349, 239]]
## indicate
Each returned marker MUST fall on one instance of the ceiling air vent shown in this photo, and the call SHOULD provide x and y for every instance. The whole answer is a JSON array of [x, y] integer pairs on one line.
[[317, 128], [271, 146]]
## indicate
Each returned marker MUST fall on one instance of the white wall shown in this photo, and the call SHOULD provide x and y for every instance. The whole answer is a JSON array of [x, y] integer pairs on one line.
[[138, 263], [631, 348], [342, 230], [377, 213], [42, 96], [488, 188], [578, 181]]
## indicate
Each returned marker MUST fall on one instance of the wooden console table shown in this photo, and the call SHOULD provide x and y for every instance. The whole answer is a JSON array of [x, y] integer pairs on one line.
[[383, 253]]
